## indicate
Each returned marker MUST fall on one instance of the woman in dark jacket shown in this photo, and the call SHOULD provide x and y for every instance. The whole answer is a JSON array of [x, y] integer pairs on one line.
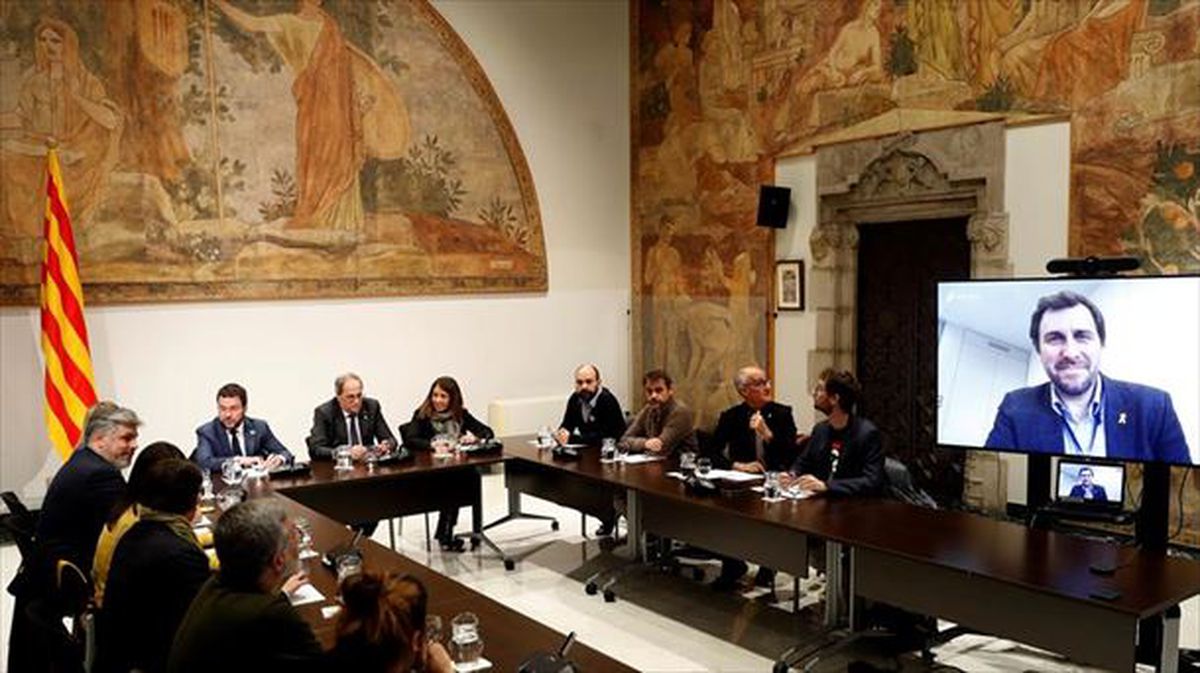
[[442, 413]]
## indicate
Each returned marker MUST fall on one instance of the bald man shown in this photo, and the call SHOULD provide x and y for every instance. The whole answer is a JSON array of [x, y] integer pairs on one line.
[[592, 413]]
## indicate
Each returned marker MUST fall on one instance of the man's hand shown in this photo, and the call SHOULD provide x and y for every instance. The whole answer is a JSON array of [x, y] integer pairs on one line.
[[812, 484], [759, 425], [273, 461], [654, 445], [248, 461], [562, 435], [358, 451], [753, 467], [291, 584], [468, 438], [437, 660]]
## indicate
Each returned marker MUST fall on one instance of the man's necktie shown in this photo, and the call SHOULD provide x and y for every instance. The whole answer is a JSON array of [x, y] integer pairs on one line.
[[234, 443], [355, 437]]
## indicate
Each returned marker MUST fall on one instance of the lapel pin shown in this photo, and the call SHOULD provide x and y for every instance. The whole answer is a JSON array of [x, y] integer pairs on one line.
[[1122, 418]]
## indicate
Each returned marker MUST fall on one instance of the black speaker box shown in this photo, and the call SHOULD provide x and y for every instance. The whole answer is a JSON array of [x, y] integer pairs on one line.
[[773, 206]]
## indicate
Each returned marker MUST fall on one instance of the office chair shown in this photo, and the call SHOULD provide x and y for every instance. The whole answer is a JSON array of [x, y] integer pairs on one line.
[[20, 523]]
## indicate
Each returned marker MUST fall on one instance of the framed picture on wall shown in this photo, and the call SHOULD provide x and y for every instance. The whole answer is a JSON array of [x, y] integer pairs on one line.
[[789, 285]]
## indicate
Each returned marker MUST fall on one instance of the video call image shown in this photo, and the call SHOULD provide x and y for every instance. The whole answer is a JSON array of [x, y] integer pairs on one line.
[[1096, 368], [1090, 483]]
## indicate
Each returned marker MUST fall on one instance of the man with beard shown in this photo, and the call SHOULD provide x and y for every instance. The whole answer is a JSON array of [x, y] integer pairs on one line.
[[1079, 411], [593, 414], [844, 454], [233, 435], [664, 424]]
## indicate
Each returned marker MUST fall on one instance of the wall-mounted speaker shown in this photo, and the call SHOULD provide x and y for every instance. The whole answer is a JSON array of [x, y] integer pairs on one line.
[[773, 206]]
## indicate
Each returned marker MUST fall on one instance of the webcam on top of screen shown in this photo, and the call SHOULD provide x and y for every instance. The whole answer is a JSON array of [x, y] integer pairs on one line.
[[1093, 266]]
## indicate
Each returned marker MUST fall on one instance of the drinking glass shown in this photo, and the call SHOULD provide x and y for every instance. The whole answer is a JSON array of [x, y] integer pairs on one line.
[[229, 497], [771, 485], [622, 451], [348, 565], [304, 531], [231, 472], [608, 450], [372, 457], [687, 461], [703, 466], [442, 445], [206, 487], [544, 439], [342, 458], [466, 641]]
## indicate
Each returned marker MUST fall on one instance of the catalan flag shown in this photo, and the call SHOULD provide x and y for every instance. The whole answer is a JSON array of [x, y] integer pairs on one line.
[[70, 386]]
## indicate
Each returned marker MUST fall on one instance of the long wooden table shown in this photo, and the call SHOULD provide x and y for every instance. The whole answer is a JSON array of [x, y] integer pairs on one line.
[[1030, 585]]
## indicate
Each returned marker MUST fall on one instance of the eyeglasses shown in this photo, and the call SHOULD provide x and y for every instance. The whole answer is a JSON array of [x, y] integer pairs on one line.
[[761, 383]]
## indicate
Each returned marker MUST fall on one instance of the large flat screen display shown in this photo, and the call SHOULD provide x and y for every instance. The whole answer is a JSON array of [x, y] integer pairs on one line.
[[1091, 368]]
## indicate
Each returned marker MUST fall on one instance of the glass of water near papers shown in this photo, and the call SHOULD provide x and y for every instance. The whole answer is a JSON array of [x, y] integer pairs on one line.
[[342, 460], [466, 639], [771, 486], [703, 466], [608, 450]]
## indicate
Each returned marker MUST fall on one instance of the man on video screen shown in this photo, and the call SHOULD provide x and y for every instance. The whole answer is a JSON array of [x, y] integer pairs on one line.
[[1086, 489], [1080, 411]]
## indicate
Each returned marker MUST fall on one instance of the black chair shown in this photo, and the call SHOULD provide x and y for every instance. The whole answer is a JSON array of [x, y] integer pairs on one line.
[[20, 523]]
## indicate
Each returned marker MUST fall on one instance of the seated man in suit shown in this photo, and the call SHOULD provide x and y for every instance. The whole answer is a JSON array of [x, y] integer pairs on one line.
[[1079, 411], [234, 435], [844, 455], [664, 424], [593, 414], [1085, 489], [241, 619], [157, 569], [78, 501], [758, 435], [349, 419]]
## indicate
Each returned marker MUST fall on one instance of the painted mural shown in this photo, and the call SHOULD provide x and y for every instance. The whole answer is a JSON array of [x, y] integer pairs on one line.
[[722, 86], [260, 149]]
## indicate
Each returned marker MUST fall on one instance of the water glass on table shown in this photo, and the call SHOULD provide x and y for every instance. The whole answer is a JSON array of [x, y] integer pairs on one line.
[[433, 629], [443, 446], [342, 460], [232, 472], [703, 467], [349, 565], [304, 532], [466, 640], [771, 485], [545, 439], [608, 450], [687, 462]]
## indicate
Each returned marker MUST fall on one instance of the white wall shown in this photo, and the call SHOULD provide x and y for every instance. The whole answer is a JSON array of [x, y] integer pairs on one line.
[[1037, 181], [561, 72]]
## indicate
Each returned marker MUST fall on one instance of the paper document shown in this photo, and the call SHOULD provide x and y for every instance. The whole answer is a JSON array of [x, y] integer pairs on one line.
[[479, 664], [733, 475], [638, 458], [791, 493], [306, 594]]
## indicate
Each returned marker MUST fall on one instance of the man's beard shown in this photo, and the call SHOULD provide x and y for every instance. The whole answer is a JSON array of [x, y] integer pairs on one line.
[[587, 395]]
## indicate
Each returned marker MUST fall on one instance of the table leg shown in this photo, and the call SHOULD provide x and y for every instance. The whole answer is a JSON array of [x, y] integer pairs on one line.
[[1169, 656]]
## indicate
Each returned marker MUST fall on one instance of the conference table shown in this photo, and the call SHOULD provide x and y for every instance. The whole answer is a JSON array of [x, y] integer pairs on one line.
[[1029, 585], [509, 637]]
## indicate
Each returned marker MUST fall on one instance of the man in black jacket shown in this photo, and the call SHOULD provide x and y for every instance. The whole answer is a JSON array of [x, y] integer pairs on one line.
[[758, 435], [844, 456], [349, 419], [593, 413], [157, 569], [242, 620]]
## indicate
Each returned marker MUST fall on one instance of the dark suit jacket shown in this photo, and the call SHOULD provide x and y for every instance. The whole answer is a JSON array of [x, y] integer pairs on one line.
[[860, 464], [417, 432], [329, 427], [155, 575], [212, 443], [80, 498], [733, 440], [1097, 492], [1139, 423], [607, 419], [233, 631]]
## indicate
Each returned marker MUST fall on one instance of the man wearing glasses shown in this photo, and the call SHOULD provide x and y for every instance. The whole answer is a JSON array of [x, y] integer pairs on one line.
[[757, 435]]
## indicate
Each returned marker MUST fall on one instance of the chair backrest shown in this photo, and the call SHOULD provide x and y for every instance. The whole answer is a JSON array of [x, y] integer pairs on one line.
[[20, 523], [899, 485]]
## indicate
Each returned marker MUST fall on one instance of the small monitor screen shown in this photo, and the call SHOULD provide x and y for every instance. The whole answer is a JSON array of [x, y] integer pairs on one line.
[[1090, 483], [1096, 368]]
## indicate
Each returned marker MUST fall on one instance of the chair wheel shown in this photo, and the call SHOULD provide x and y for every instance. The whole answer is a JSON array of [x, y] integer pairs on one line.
[[780, 667], [553, 525], [610, 596], [590, 588], [509, 564]]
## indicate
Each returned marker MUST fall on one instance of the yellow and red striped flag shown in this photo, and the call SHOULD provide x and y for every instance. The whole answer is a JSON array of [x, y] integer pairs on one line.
[[70, 386]]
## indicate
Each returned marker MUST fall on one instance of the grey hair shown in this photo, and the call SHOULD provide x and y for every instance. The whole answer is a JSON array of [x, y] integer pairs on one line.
[[105, 417], [247, 538], [340, 381], [742, 378]]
